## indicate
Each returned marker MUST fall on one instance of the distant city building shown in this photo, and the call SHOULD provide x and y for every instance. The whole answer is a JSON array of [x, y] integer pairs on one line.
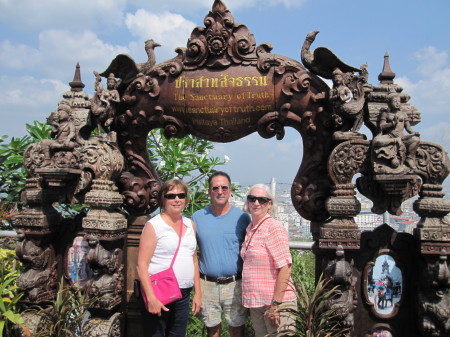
[[299, 228]]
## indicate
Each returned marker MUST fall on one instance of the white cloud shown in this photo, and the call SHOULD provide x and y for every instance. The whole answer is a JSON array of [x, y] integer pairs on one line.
[[206, 5], [62, 14], [430, 94], [439, 133], [17, 56], [168, 29], [25, 99], [63, 49], [58, 52], [431, 60]]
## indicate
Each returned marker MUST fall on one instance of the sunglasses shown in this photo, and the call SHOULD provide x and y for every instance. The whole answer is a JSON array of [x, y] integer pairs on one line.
[[172, 196], [216, 188], [261, 200]]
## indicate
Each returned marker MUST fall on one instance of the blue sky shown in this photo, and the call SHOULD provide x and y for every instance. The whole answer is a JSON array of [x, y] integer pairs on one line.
[[41, 42]]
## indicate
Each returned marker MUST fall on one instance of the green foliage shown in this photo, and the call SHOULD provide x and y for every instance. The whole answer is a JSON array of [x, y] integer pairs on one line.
[[7, 211], [12, 172], [303, 264], [303, 268], [64, 317], [313, 318], [70, 211], [187, 159], [9, 315]]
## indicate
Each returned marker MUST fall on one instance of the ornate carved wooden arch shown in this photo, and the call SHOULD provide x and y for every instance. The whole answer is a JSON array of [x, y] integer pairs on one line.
[[223, 87]]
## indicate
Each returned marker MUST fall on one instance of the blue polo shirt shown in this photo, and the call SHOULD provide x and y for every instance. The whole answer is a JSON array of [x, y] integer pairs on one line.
[[219, 239]]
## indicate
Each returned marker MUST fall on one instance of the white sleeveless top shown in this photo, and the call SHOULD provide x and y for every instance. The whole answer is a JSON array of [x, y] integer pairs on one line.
[[166, 245]]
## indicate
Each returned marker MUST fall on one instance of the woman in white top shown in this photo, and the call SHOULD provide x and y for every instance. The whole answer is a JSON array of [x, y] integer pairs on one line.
[[158, 243]]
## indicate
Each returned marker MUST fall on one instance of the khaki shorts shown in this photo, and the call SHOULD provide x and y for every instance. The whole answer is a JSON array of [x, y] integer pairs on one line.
[[261, 324], [222, 298]]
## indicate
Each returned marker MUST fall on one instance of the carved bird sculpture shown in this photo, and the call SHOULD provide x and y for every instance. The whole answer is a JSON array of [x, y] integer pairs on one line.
[[124, 67], [150, 46], [322, 61]]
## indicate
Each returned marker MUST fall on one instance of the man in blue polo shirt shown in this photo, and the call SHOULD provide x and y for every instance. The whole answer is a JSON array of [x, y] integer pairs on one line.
[[220, 233]]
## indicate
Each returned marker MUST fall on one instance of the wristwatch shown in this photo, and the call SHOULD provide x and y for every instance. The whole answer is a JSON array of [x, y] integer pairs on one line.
[[275, 302]]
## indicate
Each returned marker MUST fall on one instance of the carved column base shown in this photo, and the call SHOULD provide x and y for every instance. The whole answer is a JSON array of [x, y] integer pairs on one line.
[[35, 221], [433, 235], [102, 220], [107, 225], [431, 207], [58, 177], [344, 232], [104, 195]]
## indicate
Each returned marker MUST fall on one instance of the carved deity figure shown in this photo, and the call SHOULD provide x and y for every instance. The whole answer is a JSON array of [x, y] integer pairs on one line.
[[393, 150], [63, 132], [104, 101], [348, 98], [105, 285], [37, 280], [434, 298], [340, 272], [340, 92]]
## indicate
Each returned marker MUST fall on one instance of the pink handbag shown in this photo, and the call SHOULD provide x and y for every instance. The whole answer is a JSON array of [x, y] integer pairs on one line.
[[165, 284]]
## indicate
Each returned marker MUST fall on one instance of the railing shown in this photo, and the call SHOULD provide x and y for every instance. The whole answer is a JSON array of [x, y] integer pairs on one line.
[[300, 245], [8, 233]]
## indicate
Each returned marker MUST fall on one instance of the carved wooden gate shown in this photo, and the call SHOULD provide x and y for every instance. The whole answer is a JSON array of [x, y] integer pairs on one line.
[[222, 87]]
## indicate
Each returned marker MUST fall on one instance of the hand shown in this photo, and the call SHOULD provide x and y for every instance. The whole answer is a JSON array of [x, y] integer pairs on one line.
[[155, 306], [196, 303], [273, 315]]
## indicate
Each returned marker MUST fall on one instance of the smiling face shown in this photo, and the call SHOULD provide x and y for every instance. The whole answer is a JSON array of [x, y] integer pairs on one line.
[[219, 191], [258, 210], [176, 205]]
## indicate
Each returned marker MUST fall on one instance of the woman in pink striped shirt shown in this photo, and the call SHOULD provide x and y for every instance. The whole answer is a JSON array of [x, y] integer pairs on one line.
[[266, 275]]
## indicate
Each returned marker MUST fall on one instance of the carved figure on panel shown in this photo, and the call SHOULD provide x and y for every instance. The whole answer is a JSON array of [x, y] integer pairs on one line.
[[340, 92], [104, 101], [106, 285], [344, 302], [63, 131], [392, 149], [38, 281], [433, 299], [348, 98]]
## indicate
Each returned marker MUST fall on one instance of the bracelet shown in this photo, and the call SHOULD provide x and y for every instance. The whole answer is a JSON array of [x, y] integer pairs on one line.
[[274, 302]]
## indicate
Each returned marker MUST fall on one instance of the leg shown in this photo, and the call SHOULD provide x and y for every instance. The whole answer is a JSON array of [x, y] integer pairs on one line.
[[234, 312], [287, 319], [211, 311], [237, 331], [259, 324], [153, 325], [214, 331], [179, 314]]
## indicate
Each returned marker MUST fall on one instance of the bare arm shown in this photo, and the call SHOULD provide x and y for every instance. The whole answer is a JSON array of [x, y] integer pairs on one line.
[[147, 247], [197, 300], [281, 284]]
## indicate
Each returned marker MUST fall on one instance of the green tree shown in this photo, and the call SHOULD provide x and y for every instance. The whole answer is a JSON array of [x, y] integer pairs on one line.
[[187, 159], [9, 315], [13, 174]]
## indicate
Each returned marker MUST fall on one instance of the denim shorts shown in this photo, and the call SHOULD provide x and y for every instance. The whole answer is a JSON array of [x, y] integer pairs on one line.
[[222, 298]]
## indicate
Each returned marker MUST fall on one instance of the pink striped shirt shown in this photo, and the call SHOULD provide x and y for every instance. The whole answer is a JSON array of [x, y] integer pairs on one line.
[[267, 252]]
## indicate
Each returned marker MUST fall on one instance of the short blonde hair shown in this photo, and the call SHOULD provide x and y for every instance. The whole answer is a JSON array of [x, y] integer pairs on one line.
[[168, 185]]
